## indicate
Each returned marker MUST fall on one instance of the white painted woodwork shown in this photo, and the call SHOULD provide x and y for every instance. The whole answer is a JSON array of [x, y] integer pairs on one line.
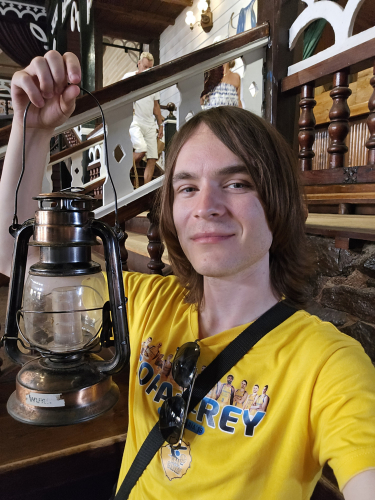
[[342, 21]]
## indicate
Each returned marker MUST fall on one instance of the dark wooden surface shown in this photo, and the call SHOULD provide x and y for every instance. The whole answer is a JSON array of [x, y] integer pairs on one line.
[[355, 59], [337, 176], [306, 124], [370, 144], [280, 14], [57, 462]]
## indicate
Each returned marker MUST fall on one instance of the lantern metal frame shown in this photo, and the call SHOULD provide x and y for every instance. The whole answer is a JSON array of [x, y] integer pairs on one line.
[[70, 386]]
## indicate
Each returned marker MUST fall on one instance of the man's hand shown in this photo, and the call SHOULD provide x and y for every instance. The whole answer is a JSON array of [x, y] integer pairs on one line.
[[45, 83], [160, 133]]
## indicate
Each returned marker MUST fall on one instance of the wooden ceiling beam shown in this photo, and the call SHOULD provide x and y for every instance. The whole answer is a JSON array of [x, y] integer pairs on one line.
[[136, 15], [124, 33], [185, 3], [150, 17]]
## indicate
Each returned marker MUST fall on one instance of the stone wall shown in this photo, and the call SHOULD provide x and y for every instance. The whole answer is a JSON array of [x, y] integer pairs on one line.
[[342, 288]]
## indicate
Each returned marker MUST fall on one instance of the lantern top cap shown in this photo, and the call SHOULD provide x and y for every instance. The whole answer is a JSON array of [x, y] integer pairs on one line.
[[66, 195]]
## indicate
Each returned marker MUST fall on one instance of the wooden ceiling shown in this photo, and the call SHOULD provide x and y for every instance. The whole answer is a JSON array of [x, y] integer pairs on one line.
[[139, 21]]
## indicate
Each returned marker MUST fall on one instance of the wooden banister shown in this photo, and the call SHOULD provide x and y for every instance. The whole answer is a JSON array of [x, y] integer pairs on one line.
[[355, 59]]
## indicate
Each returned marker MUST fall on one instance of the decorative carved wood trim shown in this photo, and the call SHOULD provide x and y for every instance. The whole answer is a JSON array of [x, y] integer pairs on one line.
[[339, 115], [306, 123], [356, 59], [155, 247], [80, 147], [370, 144], [364, 174]]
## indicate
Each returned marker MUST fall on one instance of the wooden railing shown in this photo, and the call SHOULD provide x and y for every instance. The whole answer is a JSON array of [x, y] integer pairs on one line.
[[332, 184]]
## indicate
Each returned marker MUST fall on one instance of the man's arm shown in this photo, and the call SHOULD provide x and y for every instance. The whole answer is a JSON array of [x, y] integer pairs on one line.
[[361, 486], [159, 118], [45, 83]]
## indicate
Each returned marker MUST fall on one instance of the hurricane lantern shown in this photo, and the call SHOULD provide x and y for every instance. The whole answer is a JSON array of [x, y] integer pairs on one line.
[[64, 313]]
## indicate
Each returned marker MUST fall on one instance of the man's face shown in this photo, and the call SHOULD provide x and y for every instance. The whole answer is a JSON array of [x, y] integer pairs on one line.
[[243, 385], [255, 389], [143, 64], [229, 379], [220, 221]]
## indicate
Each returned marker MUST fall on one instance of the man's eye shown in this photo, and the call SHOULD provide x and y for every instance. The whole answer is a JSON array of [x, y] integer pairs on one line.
[[238, 185]]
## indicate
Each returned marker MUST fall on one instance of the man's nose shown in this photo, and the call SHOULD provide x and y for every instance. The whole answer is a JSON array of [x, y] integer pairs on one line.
[[209, 202]]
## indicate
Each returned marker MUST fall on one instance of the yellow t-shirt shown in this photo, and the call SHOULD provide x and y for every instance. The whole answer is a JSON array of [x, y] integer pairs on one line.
[[321, 407]]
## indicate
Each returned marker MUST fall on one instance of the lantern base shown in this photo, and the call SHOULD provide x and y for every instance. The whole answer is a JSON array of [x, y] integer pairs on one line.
[[49, 395]]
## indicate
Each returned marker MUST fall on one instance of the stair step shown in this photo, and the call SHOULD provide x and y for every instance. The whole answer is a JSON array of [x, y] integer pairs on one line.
[[139, 224]]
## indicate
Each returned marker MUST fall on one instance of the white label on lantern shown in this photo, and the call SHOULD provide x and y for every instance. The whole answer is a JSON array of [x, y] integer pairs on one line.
[[45, 400]]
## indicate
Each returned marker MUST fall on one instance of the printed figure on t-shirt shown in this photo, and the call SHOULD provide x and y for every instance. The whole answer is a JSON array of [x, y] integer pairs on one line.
[[240, 395], [152, 352], [226, 394], [144, 345], [261, 403], [251, 398]]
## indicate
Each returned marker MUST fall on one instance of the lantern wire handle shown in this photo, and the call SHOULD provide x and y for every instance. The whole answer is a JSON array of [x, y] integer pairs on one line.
[[15, 218]]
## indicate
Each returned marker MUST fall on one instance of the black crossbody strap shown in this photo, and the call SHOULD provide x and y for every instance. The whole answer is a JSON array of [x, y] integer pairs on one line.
[[215, 371]]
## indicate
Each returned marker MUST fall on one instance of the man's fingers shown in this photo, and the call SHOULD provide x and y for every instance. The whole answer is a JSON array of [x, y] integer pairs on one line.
[[39, 68], [68, 99], [23, 83], [56, 66], [73, 67]]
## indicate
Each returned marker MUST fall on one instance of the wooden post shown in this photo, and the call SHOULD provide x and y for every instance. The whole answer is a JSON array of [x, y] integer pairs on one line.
[[306, 123], [339, 119], [280, 110], [155, 247], [123, 251], [370, 144]]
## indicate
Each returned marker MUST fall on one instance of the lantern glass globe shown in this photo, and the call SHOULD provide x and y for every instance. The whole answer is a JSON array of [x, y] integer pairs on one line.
[[63, 314]]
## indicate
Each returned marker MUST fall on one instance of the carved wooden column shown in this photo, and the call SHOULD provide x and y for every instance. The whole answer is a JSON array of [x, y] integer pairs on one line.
[[370, 144], [155, 247], [339, 116], [123, 251], [306, 124]]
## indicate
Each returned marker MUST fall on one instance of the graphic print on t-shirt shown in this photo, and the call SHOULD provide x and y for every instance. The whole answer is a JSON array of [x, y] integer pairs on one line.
[[175, 462], [230, 406]]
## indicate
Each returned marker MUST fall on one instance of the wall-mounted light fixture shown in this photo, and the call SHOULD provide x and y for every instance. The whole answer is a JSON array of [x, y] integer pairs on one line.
[[206, 21]]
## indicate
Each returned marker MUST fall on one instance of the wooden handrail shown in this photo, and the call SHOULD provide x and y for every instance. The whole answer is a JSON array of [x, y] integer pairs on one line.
[[161, 72], [65, 153], [357, 58]]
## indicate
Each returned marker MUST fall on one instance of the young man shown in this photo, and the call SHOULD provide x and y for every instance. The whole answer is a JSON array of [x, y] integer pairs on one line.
[[233, 221], [142, 130]]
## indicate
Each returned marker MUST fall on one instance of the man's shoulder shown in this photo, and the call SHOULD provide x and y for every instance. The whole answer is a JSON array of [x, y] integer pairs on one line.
[[310, 332], [129, 74]]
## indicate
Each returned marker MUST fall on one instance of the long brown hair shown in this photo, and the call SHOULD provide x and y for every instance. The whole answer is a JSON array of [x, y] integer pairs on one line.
[[273, 168]]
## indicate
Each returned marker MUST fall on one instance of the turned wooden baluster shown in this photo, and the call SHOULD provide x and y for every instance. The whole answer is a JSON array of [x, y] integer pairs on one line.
[[155, 247], [339, 117], [306, 124], [370, 144], [123, 251]]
